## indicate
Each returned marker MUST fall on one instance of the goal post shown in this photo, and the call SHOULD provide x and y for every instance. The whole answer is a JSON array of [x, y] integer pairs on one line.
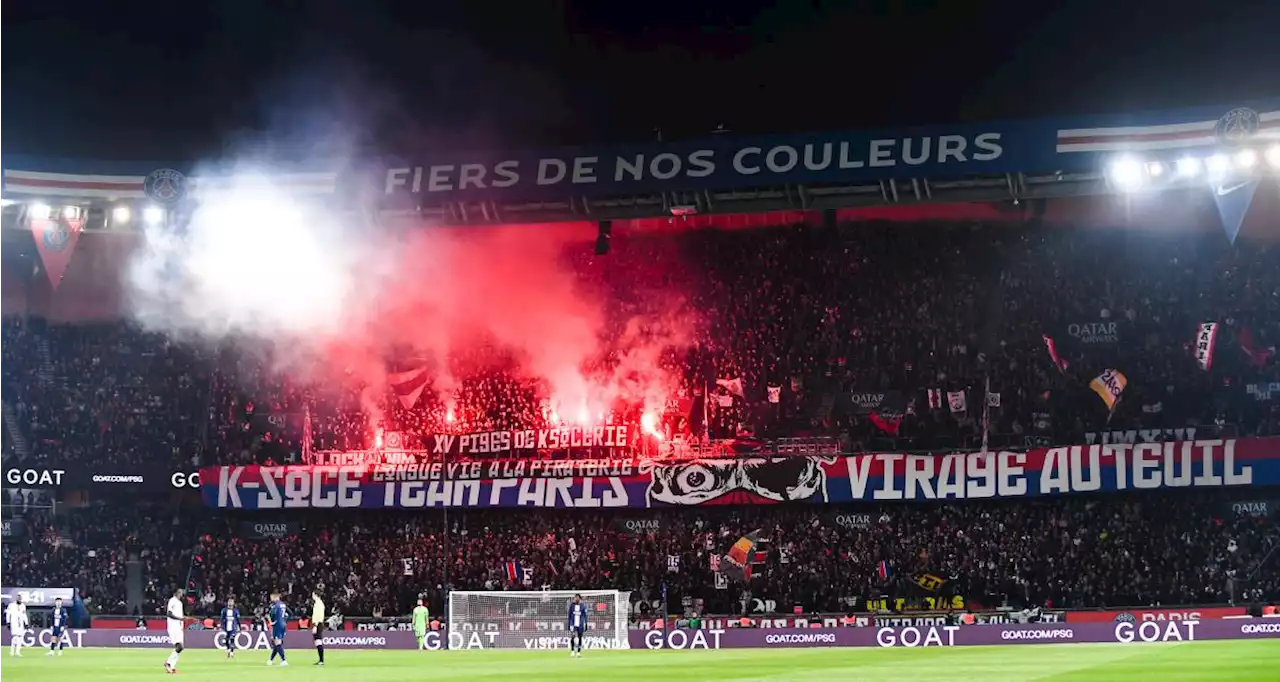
[[535, 619]]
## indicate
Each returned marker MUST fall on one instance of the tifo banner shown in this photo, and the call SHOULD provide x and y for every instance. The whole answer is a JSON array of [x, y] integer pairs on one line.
[[1151, 435], [267, 530], [606, 441], [1212, 463], [12, 530], [731, 638], [1135, 615]]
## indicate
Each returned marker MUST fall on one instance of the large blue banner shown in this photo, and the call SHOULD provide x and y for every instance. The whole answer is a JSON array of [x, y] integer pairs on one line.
[[716, 162], [726, 162], [870, 477], [729, 162]]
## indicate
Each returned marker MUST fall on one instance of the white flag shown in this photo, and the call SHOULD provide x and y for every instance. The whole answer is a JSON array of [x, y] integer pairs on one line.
[[956, 401], [1206, 340], [734, 385]]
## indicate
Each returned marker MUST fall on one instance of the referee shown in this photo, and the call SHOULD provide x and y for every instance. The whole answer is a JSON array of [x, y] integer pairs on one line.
[[317, 624]]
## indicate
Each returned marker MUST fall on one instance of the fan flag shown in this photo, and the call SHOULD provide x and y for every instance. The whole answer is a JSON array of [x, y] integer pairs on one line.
[[409, 384], [883, 570], [1206, 341], [733, 386], [1109, 385], [1258, 356], [742, 556], [514, 572], [56, 241], [929, 582], [1233, 198], [1058, 360], [888, 416]]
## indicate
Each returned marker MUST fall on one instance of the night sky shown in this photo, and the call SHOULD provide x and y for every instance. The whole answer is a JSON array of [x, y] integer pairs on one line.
[[176, 80]]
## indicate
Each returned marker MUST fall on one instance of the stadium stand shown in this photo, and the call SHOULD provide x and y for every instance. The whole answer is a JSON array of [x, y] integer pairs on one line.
[[812, 314], [977, 302]]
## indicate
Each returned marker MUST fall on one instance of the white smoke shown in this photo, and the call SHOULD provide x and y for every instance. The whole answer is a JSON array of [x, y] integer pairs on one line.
[[251, 260]]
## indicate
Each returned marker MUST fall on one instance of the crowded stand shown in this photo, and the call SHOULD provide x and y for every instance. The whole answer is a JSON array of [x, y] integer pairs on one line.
[[1109, 551], [794, 320], [791, 321], [1153, 550]]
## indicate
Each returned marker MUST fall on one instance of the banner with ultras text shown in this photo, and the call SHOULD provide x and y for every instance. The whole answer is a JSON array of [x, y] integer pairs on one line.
[[731, 638], [1214, 463]]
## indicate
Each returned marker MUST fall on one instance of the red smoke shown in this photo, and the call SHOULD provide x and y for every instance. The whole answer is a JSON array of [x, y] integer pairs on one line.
[[529, 302]]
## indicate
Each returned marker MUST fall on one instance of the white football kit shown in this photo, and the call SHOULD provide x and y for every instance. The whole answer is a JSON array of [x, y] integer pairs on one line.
[[16, 614], [175, 622]]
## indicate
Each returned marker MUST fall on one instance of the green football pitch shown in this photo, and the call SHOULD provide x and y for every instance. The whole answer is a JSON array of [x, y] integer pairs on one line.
[[1239, 660]]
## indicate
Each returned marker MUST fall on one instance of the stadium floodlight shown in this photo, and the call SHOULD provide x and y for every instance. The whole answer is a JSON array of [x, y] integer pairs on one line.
[[1246, 158], [1127, 173], [1218, 164], [1188, 166], [70, 212], [40, 211], [1273, 156], [120, 215], [536, 619], [153, 215], [1155, 169]]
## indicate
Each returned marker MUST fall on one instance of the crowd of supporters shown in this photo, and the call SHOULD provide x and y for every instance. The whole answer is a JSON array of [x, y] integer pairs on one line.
[[790, 322], [89, 548], [1109, 550]]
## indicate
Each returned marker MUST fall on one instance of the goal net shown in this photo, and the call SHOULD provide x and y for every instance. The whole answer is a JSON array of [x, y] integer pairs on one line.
[[535, 620]]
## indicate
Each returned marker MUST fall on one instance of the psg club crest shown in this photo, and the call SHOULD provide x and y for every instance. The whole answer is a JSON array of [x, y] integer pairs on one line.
[[1237, 126], [165, 185], [56, 236]]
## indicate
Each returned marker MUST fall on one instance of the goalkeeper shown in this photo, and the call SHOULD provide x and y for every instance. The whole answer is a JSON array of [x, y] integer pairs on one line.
[[420, 616]]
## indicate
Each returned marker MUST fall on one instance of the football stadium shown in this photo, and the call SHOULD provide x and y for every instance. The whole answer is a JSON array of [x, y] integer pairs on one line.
[[992, 400]]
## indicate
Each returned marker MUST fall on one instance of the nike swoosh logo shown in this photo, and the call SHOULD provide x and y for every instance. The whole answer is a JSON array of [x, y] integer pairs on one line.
[[1224, 191]]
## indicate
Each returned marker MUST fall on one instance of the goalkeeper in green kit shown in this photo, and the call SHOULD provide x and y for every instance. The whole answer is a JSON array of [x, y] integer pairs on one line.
[[420, 616]]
